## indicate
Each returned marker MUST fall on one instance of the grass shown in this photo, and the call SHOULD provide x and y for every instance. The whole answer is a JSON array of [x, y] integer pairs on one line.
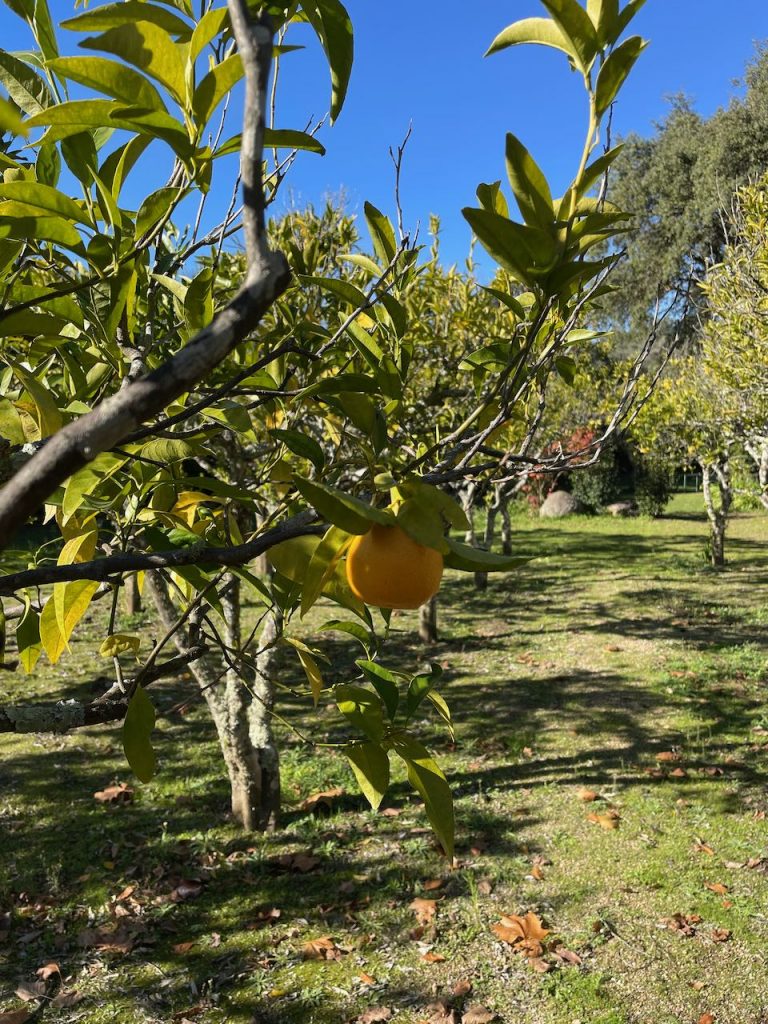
[[614, 645]]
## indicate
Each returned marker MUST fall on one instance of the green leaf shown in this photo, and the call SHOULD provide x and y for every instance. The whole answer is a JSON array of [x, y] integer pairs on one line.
[[341, 509], [41, 229], [302, 445], [111, 78], [78, 116], [597, 169], [116, 15], [28, 638], [289, 138], [507, 300], [628, 14], [421, 520], [605, 17], [198, 304], [543, 31], [322, 565], [11, 426], [313, 674], [10, 119], [353, 629], [429, 782], [44, 198], [49, 419], [529, 185], [148, 47], [333, 26], [443, 710], [210, 25], [525, 252], [25, 87], [71, 601], [614, 72], [137, 732], [120, 643], [382, 233], [362, 708], [469, 559], [343, 290], [492, 198], [385, 682], [576, 26], [214, 87], [420, 687], [370, 763]]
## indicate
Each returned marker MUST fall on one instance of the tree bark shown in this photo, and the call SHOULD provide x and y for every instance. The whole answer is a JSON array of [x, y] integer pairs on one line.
[[428, 622], [506, 526], [717, 475], [758, 452], [131, 596]]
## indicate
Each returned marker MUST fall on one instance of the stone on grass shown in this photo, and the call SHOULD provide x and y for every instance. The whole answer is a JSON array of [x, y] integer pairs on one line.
[[622, 508], [559, 504]]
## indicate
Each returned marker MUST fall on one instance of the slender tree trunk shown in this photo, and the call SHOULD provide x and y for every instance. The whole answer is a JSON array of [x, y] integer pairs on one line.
[[428, 622], [717, 474], [506, 526], [758, 452], [131, 595], [481, 578]]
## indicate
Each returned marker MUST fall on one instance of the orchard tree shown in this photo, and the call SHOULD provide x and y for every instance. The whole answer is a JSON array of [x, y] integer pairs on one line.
[[169, 420]]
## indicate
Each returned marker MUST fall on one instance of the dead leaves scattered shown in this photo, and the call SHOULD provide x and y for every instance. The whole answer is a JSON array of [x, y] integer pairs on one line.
[[477, 1014], [610, 820], [375, 1015], [320, 949], [424, 910], [588, 795], [15, 1017], [321, 802], [717, 887], [685, 924], [298, 862], [525, 934]]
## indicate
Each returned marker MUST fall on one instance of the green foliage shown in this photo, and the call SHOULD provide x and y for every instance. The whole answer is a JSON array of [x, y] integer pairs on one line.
[[653, 486]]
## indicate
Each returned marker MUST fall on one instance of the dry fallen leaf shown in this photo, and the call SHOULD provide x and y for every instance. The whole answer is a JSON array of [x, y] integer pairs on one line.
[[568, 956], [440, 1013], [47, 971], [701, 847], [717, 887], [433, 884], [685, 924], [721, 934], [697, 986], [14, 1017], [27, 990], [67, 998], [322, 800], [182, 947], [588, 795], [120, 794], [433, 958], [366, 979], [320, 949], [707, 1018], [375, 1015], [424, 910], [537, 873], [610, 820], [301, 862], [462, 988], [477, 1014], [668, 755], [187, 889], [525, 934]]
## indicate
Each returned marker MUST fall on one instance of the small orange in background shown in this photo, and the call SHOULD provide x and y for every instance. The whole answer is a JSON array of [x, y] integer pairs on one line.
[[388, 569]]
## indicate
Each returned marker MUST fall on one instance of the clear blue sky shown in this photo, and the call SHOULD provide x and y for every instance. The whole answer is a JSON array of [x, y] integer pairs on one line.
[[422, 62]]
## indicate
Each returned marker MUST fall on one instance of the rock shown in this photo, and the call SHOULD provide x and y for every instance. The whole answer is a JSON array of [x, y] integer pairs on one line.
[[622, 508], [559, 504]]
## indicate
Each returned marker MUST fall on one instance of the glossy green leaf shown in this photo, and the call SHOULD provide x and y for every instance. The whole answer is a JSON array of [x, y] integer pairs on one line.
[[492, 198], [214, 87], [110, 77], [137, 732], [343, 290], [429, 782], [605, 17], [343, 510], [322, 565], [362, 709], [119, 643], [78, 116], [288, 138], [208, 27], [576, 26], [25, 87], [542, 31], [10, 119], [420, 686], [198, 304], [385, 682], [529, 185], [41, 229], [597, 169], [28, 640], [333, 26], [525, 252], [303, 445], [628, 13], [313, 674], [48, 416], [45, 199], [468, 559], [115, 15], [382, 233], [71, 601], [370, 763], [353, 629], [149, 48], [614, 72]]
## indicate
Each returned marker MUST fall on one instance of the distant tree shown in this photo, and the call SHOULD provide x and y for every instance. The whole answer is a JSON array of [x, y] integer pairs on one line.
[[676, 184]]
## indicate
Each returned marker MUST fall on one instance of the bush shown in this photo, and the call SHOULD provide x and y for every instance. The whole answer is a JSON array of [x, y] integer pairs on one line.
[[601, 484], [653, 487]]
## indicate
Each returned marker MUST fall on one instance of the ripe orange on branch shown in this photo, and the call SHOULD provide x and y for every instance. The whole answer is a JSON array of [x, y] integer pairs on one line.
[[388, 569]]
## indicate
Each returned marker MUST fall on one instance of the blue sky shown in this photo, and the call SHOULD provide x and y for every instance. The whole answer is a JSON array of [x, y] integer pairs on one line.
[[422, 63]]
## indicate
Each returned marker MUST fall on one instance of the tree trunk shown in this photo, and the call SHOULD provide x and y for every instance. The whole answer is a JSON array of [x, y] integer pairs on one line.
[[718, 510], [481, 578], [131, 596], [506, 526], [428, 622], [758, 452], [243, 727], [251, 752]]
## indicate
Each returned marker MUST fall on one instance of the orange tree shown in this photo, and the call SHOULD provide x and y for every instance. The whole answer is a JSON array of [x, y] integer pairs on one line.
[[137, 384]]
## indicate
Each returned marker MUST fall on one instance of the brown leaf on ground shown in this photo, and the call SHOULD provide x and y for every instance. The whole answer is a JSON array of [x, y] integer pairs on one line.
[[66, 998], [433, 958], [668, 755], [462, 988], [391, 812], [610, 820], [612, 648], [28, 990], [48, 971], [320, 949], [678, 773], [107, 940], [424, 910], [440, 1013], [685, 924], [477, 1014], [717, 887], [707, 1018], [537, 873], [301, 862], [539, 965], [702, 847], [182, 947], [120, 794], [567, 956], [721, 934], [432, 884], [366, 979], [321, 800], [266, 917], [187, 889], [588, 795], [697, 986], [485, 887], [14, 1017], [374, 1015], [525, 934]]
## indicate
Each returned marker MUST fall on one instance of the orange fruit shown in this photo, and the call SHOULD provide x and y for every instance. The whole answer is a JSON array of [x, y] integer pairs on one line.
[[388, 569]]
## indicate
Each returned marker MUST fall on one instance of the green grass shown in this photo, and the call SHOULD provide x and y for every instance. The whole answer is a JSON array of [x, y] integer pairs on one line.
[[615, 644]]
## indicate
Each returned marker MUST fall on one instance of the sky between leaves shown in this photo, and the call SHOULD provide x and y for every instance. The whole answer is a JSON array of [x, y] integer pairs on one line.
[[423, 63]]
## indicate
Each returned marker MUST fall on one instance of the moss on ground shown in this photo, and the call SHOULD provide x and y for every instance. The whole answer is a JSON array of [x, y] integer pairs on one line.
[[615, 662]]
